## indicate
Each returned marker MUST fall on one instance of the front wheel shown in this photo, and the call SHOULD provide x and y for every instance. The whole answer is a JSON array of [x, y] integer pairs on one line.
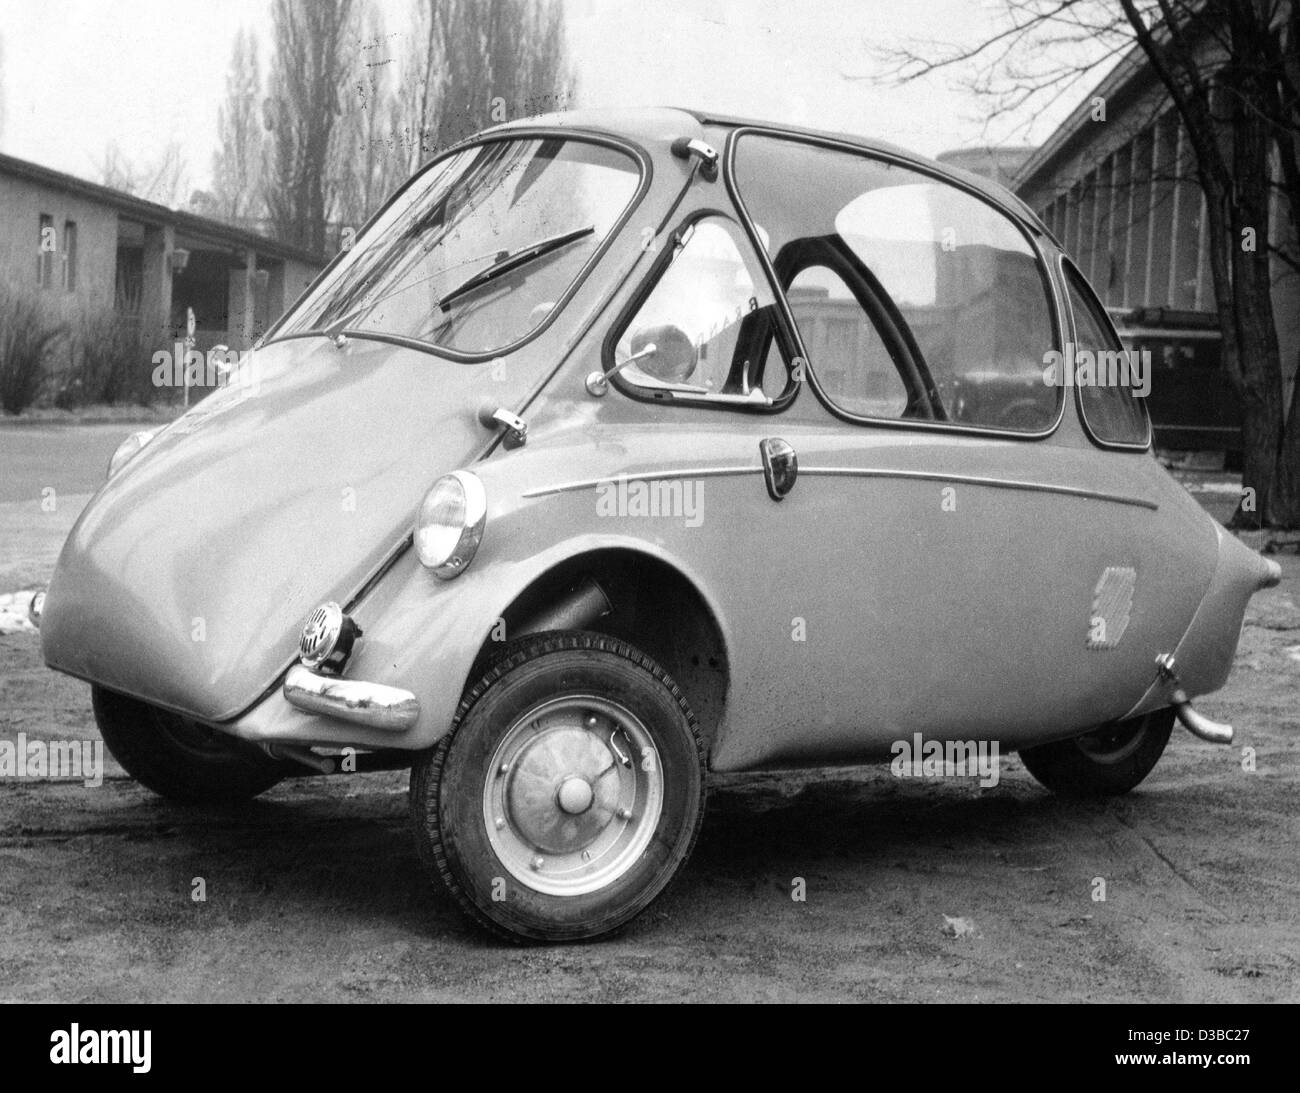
[[1106, 762], [177, 758], [568, 793]]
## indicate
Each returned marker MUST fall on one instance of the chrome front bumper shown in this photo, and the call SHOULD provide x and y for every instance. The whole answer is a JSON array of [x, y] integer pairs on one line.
[[374, 705]]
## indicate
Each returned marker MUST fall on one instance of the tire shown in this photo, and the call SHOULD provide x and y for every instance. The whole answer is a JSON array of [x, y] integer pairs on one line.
[[561, 735], [177, 758], [1106, 762]]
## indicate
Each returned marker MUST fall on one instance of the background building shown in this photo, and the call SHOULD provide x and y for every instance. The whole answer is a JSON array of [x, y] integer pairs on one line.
[[84, 247], [1117, 187]]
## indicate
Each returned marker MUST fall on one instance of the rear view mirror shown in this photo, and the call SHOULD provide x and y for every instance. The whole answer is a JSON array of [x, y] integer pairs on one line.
[[674, 357]]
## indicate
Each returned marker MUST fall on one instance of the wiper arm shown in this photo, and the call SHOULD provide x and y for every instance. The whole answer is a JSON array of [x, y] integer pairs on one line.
[[508, 263]]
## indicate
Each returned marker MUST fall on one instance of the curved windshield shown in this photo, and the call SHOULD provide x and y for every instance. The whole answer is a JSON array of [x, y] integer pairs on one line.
[[478, 251]]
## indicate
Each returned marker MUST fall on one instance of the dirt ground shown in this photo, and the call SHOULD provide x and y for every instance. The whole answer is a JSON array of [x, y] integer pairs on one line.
[[313, 892]]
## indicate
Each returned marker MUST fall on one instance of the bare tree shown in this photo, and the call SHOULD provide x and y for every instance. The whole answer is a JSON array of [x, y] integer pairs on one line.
[[164, 179], [308, 79], [368, 161], [1229, 68], [237, 164], [475, 63]]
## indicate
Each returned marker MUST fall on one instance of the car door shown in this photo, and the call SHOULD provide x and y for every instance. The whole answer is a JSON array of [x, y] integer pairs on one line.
[[976, 562]]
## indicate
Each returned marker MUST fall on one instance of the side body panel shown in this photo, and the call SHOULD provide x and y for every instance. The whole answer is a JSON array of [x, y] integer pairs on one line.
[[855, 611]]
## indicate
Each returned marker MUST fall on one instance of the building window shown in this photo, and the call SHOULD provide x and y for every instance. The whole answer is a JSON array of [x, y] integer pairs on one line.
[[70, 255], [45, 246]]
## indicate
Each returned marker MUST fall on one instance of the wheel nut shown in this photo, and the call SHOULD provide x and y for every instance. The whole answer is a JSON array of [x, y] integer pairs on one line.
[[538, 862], [500, 823], [624, 813]]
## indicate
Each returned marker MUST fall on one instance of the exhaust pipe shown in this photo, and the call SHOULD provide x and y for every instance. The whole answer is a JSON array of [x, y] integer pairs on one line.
[[320, 764], [1197, 724], [582, 606]]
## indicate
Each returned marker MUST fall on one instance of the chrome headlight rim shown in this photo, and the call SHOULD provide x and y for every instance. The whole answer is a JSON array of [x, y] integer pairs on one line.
[[36, 608], [451, 561]]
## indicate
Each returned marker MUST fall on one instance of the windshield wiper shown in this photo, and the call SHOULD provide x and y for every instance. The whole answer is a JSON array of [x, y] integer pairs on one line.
[[509, 262]]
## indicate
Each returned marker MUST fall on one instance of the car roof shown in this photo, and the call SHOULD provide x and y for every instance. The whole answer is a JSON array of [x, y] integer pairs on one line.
[[668, 123]]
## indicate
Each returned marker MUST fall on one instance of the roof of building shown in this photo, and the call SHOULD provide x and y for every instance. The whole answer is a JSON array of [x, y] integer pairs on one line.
[[1121, 81], [202, 227]]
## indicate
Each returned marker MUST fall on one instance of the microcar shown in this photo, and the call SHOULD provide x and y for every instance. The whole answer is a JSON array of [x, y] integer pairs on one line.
[[621, 449]]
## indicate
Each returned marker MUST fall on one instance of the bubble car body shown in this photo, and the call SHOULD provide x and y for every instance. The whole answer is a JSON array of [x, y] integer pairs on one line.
[[623, 448]]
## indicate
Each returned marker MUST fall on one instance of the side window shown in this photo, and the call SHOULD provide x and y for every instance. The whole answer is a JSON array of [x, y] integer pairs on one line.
[[1110, 397], [706, 325], [854, 365], [951, 288]]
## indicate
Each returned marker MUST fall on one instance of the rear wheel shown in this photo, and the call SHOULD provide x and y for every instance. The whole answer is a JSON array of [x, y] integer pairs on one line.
[[177, 758], [568, 793], [1106, 762]]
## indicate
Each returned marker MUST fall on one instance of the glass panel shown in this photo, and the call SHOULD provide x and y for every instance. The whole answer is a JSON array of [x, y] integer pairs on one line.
[[853, 364], [70, 255], [479, 251], [954, 288], [710, 318], [1111, 397]]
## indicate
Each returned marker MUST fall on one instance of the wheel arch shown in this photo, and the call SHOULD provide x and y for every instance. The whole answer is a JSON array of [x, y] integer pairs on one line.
[[655, 606]]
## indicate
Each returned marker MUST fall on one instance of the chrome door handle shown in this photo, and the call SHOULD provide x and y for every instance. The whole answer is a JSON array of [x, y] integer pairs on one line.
[[780, 466]]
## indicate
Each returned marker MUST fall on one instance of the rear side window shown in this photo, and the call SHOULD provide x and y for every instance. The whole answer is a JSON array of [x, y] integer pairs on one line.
[[1112, 382], [914, 298]]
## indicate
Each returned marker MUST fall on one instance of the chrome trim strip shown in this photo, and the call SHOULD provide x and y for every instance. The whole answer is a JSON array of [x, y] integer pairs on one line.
[[976, 480], [644, 476], [375, 705], [856, 472]]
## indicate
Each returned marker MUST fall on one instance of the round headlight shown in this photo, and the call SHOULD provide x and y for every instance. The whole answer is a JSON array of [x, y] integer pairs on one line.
[[36, 608], [450, 522], [127, 449]]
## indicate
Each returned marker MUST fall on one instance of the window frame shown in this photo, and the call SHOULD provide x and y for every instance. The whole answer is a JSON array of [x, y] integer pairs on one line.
[[1066, 264], [667, 396], [1057, 306], [69, 254], [45, 258], [523, 133]]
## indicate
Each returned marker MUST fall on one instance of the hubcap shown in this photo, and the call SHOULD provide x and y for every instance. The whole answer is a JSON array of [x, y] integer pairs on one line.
[[573, 795]]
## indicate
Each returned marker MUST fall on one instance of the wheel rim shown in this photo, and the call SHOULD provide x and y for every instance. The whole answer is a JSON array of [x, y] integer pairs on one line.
[[573, 795], [1114, 743]]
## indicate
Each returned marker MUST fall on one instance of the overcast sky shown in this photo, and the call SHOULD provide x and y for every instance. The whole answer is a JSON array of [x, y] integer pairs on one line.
[[77, 73]]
